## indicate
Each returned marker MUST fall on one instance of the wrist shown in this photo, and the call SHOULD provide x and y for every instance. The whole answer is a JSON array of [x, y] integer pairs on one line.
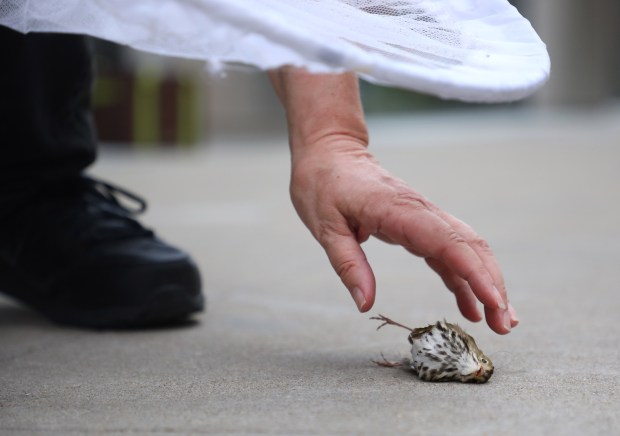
[[321, 110]]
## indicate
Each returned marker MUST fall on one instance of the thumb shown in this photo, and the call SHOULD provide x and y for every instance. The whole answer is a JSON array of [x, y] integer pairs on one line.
[[350, 263]]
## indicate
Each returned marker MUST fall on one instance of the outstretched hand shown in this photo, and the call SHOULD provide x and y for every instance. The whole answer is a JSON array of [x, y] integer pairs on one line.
[[344, 196]]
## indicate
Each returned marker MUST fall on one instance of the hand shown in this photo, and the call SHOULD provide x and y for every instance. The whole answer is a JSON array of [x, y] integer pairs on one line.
[[344, 196]]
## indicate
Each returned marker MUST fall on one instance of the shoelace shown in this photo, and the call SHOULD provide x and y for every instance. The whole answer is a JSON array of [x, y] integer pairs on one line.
[[105, 214], [113, 194]]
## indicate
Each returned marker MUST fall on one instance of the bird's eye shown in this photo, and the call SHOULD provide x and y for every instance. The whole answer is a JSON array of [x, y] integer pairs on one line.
[[484, 361]]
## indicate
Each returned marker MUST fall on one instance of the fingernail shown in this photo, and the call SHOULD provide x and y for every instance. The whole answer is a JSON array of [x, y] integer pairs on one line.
[[507, 322], [358, 297], [513, 315], [500, 299]]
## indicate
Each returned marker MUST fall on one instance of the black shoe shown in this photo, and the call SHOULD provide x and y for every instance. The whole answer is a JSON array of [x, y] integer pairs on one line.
[[74, 253]]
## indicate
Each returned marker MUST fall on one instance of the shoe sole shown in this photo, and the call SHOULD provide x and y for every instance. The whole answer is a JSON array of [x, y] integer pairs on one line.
[[167, 305]]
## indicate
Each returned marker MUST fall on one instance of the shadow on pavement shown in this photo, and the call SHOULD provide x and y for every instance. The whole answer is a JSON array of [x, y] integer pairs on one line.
[[12, 315]]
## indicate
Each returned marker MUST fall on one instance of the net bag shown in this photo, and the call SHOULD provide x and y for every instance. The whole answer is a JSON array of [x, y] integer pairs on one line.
[[472, 50]]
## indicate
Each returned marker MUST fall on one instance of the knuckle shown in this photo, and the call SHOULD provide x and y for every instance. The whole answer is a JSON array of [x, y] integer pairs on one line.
[[344, 268], [327, 234], [481, 244], [342, 260], [455, 237], [322, 234], [452, 240], [410, 200]]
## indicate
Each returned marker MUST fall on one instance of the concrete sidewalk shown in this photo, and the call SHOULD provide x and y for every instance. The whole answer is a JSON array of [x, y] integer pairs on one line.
[[282, 350]]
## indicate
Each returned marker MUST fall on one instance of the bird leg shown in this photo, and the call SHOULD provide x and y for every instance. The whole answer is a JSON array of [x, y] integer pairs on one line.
[[387, 363], [389, 321]]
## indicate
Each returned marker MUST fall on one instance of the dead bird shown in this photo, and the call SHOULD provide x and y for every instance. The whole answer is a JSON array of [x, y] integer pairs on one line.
[[442, 352]]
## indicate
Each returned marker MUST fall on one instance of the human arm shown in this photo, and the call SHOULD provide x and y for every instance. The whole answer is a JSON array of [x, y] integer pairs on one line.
[[344, 196]]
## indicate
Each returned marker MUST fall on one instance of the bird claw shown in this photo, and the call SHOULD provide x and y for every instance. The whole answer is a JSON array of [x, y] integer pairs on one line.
[[380, 318], [387, 363], [387, 321]]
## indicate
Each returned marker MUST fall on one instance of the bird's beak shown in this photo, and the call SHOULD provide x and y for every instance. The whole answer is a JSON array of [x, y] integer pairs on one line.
[[479, 372]]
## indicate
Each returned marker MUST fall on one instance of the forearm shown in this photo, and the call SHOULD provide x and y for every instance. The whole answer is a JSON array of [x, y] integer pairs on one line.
[[320, 107]]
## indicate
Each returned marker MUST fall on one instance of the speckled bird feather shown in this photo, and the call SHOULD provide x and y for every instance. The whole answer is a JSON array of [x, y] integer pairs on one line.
[[443, 352]]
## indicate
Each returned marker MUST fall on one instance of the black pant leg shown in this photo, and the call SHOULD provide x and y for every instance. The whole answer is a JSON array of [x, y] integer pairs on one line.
[[46, 125]]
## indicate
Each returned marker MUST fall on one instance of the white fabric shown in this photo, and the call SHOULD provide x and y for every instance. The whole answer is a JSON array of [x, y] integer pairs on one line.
[[473, 50]]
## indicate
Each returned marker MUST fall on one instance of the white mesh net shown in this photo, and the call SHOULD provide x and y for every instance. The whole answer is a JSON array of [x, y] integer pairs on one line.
[[474, 50]]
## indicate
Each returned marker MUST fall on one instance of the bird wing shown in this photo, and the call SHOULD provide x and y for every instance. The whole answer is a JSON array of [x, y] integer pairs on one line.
[[469, 340], [417, 333]]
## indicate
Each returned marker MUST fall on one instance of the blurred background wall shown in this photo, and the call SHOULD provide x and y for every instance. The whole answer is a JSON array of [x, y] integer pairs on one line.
[[144, 100], [583, 38]]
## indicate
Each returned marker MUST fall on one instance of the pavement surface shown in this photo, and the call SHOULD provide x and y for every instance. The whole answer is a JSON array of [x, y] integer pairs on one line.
[[281, 348]]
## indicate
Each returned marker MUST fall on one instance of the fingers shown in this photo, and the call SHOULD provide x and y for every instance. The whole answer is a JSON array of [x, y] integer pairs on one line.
[[509, 318], [425, 233], [465, 298], [464, 261], [498, 320], [481, 248], [350, 263], [514, 318], [465, 264]]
